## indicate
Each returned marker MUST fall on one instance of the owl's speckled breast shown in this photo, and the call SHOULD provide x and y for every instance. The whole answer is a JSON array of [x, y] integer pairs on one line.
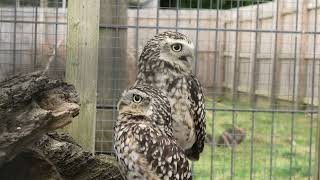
[[177, 91]]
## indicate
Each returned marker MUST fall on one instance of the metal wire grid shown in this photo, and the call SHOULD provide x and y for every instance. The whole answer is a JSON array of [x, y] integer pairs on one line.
[[269, 121], [264, 118], [32, 34]]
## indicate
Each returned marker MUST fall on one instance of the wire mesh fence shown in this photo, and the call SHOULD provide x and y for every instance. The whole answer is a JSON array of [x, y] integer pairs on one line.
[[258, 63], [32, 32]]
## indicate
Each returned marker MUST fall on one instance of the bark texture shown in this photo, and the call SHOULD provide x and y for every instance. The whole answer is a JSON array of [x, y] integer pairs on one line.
[[31, 106]]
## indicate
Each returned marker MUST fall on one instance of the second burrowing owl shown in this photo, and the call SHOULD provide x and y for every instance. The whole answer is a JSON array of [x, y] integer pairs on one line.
[[144, 145]]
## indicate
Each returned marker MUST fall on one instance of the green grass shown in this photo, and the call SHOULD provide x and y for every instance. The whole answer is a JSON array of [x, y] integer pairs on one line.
[[217, 160]]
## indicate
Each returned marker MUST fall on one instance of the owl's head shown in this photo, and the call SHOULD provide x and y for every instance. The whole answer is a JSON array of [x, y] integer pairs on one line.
[[144, 100], [173, 48]]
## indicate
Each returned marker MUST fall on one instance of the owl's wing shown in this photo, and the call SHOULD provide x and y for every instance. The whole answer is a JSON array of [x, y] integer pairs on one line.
[[162, 152], [198, 112]]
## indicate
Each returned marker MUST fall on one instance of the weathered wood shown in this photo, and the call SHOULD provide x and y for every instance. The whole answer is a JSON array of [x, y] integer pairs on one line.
[[81, 66], [57, 156], [112, 69], [222, 65], [275, 51], [31, 105], [301, 64], [29, 165], [236, 58], [72, 162], [253, 57]]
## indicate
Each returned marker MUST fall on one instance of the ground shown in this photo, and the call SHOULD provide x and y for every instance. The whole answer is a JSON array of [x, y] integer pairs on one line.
[[219, 166]]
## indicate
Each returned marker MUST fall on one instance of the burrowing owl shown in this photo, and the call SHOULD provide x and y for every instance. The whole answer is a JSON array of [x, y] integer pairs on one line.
[[144, 145], [166, 63]]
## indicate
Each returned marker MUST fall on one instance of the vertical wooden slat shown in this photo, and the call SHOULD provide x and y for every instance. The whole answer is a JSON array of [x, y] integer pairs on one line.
[[253, 56], [276, 50], [301, 51], [81, 66], [236, 55], [222, 62]]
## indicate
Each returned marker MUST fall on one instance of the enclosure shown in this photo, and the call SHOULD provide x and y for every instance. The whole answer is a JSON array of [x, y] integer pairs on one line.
[[258, 63]]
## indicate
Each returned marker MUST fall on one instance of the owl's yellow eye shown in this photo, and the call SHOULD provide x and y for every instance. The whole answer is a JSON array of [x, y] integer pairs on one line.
[[136, 98], [177, 47]]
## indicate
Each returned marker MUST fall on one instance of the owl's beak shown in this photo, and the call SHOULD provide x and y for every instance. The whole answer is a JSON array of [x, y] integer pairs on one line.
[[183, 58], [186, 58]]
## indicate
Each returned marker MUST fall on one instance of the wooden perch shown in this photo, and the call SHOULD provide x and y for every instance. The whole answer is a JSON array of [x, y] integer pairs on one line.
[[57, 156], [74, 163], [31, 106]]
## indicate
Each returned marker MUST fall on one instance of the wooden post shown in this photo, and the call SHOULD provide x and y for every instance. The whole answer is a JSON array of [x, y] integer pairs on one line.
[[222, 64], [81, 66], [112, 69], [276, 50], [236, 57], [253, 57], [301, 51]]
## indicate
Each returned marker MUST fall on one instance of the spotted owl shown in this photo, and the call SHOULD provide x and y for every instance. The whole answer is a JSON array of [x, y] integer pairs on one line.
[[144, 143], [166, 63]]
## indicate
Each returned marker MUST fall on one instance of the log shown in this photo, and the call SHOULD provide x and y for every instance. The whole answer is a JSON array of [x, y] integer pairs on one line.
[[57, 156], [74, 163], [28, 165], [31, 106]]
